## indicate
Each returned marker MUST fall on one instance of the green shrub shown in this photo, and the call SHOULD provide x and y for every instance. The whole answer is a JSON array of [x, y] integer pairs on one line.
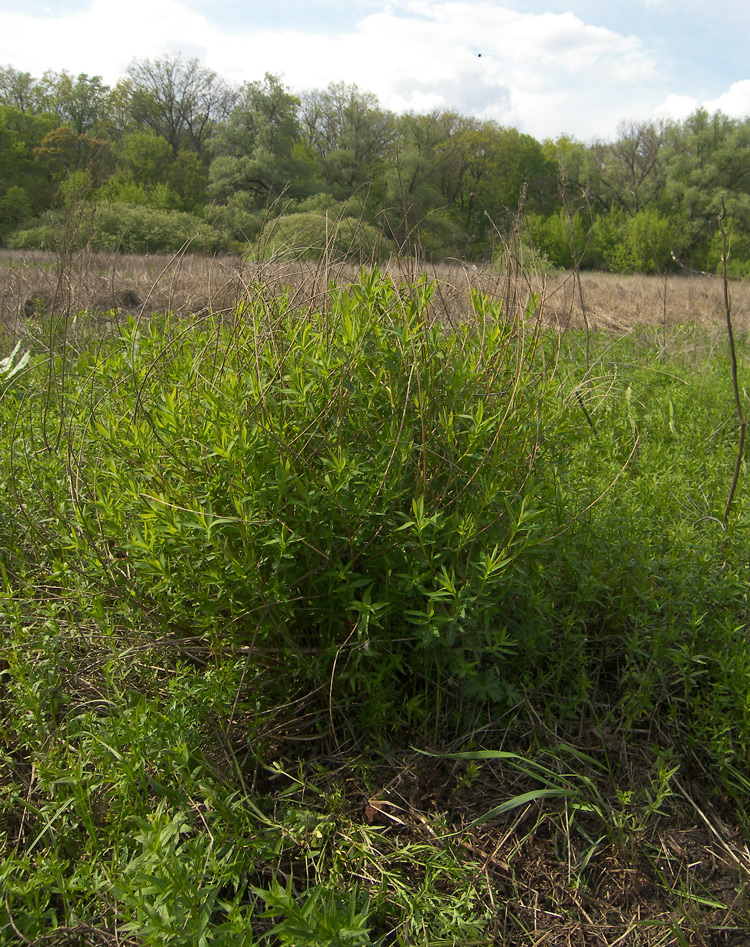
[[127, 228], [308, 235], [552, 238], [642, 243], [15, 207], [738, 259], [349, 525], [350, 489]]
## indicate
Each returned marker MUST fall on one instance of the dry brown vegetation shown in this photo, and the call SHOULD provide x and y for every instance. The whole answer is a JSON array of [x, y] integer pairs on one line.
[[36, 281], [684, 875]]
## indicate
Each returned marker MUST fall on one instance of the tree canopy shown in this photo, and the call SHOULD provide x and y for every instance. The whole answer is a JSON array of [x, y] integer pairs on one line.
[[174, 136]]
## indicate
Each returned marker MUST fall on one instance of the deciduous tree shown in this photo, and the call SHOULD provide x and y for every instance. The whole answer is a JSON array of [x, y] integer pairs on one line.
[[254, 152], [347, 134], [21, 91], [80, 102], [180, 100]]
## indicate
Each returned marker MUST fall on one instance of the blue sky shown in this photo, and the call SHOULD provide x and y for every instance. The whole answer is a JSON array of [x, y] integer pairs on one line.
[[547, 67]]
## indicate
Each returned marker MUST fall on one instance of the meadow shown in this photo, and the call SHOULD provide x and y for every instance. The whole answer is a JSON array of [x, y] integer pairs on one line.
[[400, 606], [189, 285]]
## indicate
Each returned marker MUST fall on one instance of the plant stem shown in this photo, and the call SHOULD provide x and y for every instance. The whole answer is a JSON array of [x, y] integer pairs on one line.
[[733, 355]]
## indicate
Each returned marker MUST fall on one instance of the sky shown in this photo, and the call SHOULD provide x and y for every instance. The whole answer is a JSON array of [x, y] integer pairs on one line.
[[546, 67]]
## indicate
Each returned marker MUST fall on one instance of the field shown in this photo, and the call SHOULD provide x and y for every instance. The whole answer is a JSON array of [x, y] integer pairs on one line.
[[394, 606], [190, 284]]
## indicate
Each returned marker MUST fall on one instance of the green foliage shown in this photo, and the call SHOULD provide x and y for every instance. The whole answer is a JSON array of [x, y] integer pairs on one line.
[[238, 220], [80, 102], [552, 237], [498, 171], [642, 243], [323, 918], [127, 228], [23, 191], [652, 579], [15, 207], [352, 523], [371, 502], [173, 136], [345, 136], [149, 173], [20, 91], [738, 258], [311, 234], [115, 797], [707, 164], [62, 153], [254, 152]]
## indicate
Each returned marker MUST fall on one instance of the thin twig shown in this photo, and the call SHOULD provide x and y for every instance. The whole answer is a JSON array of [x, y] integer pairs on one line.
[[733, 354]]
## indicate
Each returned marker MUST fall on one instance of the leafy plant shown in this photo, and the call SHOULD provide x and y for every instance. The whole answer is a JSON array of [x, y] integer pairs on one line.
[[324, 917], [274, 553], [358, 502], [9, 367]]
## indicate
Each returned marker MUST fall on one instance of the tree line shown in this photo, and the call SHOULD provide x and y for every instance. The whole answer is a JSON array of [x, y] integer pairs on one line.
[[172, 151]]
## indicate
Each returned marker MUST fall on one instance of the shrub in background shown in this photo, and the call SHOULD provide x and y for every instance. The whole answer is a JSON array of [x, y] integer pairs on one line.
[[310, 234], [128, 228], [552, 238], [642, 243]]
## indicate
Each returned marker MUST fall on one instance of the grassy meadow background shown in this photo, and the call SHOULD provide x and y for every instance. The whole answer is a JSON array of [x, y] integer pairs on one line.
[[350, 606]]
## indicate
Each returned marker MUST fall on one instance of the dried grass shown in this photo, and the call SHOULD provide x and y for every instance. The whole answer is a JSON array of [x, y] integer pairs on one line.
[[34, 281]]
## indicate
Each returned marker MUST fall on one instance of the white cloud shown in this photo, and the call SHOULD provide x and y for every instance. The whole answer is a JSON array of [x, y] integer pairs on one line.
[[677, 107], [102, 37], [545, 73], [735, 103]]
